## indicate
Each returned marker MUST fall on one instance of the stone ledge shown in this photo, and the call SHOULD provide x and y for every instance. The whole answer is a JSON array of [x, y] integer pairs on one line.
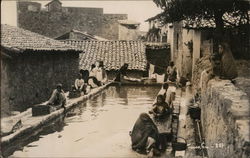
[[225, 118], [30, 124], [234, 98]]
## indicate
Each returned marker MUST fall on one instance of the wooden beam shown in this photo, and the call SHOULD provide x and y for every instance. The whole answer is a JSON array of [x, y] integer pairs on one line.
[[6, 55]]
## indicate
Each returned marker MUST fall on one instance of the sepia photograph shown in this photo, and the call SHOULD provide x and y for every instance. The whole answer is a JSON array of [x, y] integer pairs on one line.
[[125, 79]]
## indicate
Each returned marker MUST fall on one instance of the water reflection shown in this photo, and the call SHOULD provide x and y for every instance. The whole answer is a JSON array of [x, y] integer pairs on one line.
[[100, 124], [122, 93], [56, 126]]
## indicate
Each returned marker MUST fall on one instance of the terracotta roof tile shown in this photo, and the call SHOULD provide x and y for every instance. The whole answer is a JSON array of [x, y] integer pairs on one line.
[[15, 38], [113, 53]]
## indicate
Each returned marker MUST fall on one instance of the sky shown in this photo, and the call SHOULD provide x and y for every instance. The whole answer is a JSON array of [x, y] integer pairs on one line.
[[8, 13], [137, 10]]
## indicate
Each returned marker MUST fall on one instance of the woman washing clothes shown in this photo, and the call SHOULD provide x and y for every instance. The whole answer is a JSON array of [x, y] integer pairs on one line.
[[171, 72], [123, 76], [161, 114], [164, 90], [145, 136], [161, 109]]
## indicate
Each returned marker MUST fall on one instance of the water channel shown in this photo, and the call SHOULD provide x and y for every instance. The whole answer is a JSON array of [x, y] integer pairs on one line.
[[97, 128]]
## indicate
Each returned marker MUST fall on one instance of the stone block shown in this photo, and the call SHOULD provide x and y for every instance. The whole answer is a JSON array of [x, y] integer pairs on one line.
[[39, 110], [225, 119]]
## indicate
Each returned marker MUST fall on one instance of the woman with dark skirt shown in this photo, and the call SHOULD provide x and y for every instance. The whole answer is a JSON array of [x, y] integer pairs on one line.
[[145, 136], [92, 81]]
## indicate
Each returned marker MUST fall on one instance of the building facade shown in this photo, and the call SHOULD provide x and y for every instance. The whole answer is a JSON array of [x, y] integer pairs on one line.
[[191, 40], [187, 46], [157, 31], [63, 19], [31, 66], [128, 30]]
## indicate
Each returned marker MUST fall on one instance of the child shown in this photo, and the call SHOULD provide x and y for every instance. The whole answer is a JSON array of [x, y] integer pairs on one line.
[[160, 109]]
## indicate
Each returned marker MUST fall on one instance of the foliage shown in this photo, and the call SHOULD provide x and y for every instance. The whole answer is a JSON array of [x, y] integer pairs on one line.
[[176, 10]]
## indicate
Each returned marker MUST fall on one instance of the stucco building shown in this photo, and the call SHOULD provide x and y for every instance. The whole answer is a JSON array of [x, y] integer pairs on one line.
[[190, 40]]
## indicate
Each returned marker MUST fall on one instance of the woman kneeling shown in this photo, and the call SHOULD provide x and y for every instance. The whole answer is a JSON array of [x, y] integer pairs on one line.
[[145, 136]]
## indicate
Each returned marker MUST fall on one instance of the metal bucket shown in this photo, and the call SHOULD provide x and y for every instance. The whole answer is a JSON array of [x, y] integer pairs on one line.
[[179, 146]]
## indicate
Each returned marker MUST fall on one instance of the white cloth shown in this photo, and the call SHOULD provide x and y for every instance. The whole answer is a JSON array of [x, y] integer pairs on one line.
[[101, 75], [160, 78], [79, 83], [91, 83], [151, 71], [170, 90], [93, 72]]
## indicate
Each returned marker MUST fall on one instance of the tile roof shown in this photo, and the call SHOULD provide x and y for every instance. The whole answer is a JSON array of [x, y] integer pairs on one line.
[[230, 20], [113, 54], [87, 36], [14, 38]]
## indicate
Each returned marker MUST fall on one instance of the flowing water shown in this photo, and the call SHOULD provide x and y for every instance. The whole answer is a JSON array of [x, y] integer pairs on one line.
[[97, 128]]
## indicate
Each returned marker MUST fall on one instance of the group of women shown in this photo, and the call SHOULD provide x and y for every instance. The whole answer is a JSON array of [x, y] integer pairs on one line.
[[145, 135], [86, 80]]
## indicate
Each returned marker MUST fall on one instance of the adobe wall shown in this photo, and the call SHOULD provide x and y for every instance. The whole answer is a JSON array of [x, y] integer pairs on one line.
[[225, 119], [54, 24], [29, 79], [5, 85]]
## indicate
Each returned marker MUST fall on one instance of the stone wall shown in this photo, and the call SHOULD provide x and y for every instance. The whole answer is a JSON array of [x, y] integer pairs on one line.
[[29, 79], [201, 64], [54, 24], [83, 10], [225, 120]]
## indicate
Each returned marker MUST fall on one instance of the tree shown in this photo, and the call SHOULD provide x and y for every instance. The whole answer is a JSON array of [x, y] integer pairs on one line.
[[176, 10]]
